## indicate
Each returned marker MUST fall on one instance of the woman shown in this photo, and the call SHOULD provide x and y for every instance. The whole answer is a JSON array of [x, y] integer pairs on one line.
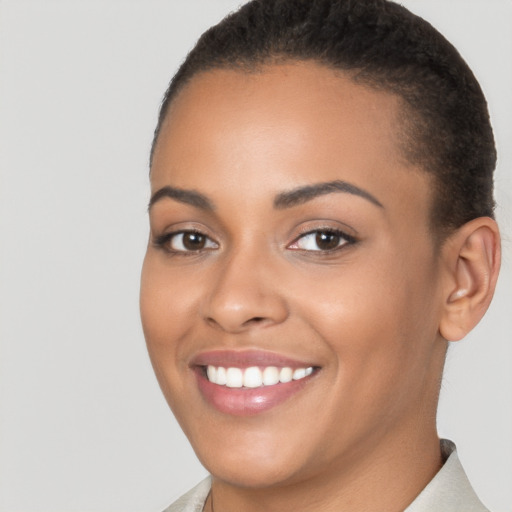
[[321, 226]]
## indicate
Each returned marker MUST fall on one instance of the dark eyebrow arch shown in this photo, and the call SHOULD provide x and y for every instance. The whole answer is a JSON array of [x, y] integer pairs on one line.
[[190, 197], [301, 195]]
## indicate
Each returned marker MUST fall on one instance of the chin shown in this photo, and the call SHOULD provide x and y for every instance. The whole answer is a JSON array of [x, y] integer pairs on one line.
[[249, 463], [252, 474]]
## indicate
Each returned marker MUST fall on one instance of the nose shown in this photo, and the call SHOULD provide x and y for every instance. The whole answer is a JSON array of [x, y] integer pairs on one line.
[[244, 294]]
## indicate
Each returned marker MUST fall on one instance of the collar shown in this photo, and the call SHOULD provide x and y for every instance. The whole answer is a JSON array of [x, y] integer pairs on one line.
[[449, 490]]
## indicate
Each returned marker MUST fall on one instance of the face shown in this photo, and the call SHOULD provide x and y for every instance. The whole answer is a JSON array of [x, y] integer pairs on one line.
[[290, 291]]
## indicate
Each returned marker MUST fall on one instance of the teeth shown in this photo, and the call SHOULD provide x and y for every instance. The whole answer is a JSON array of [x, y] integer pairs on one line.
[[234, 378], [285, 375], [270, 376], [299, 373], [221, 376], [211, 372], [254, 377]]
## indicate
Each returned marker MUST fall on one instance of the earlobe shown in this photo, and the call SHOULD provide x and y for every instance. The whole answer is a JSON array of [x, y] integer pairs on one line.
[[472, 259]]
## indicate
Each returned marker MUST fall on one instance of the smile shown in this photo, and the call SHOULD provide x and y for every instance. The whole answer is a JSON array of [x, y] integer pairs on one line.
[[245, 383], [254, 376]]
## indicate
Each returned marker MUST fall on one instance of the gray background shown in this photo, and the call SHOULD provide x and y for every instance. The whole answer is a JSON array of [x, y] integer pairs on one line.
[[82, 424]]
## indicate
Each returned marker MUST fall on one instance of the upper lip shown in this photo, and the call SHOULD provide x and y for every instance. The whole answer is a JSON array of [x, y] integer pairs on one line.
[[246, 359]]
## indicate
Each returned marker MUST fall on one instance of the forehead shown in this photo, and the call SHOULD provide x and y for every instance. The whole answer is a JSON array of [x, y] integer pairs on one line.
[[301, 101], [283, 125]]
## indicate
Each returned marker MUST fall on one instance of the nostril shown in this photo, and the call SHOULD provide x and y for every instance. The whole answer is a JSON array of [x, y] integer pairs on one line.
[[255, 320]]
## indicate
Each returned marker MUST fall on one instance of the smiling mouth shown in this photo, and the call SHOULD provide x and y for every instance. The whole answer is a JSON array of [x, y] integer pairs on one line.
[[250, 382], [254, 376]]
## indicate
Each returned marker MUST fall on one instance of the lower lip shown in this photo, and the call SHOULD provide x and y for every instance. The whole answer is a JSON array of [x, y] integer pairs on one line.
[[247, 401]]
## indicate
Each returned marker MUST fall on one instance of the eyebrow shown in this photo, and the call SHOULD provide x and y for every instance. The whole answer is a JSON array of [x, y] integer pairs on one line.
[[283, 200], [190, 197], [301, 195]]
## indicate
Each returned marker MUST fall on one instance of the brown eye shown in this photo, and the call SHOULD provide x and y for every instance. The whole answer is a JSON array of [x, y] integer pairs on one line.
[[322, 240], [190, 241], [194, 241], [326, 240]]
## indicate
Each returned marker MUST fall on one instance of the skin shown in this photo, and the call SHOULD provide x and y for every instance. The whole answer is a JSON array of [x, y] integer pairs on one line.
[[374, 315]]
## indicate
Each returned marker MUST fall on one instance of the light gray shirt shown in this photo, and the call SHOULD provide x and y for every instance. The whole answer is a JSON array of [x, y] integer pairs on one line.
[[448, 491]]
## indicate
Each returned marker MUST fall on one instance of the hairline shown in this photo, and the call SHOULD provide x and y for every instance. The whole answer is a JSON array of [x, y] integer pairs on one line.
[[405, 138]]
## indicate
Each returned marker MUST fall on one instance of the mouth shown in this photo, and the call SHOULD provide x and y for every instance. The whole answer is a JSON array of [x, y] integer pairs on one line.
[[254, 376], [250, 382]]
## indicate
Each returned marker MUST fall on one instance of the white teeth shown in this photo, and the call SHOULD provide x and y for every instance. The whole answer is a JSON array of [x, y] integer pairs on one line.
[[285, 375], [254, 377], [234, 378], [221, 376], [270, 376], [211, 372], [299, 373]]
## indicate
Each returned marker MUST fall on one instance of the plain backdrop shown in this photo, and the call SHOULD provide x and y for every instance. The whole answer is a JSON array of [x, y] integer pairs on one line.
[[83, 426]]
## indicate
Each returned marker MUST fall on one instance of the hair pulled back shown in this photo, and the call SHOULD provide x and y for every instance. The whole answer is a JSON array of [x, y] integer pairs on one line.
[[378, 43]]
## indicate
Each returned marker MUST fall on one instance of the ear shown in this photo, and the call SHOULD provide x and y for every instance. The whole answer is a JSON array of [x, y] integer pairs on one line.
[[472, 258]]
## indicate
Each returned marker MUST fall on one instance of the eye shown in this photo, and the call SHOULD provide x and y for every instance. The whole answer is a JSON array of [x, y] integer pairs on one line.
[[185, 241], [322, 240]]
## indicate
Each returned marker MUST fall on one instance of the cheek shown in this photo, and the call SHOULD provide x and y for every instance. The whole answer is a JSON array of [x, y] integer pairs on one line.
[[381, 337], [165, 308], [378, 316]]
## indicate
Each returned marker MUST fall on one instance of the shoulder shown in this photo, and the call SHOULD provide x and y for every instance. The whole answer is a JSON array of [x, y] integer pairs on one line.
[[193, 500]]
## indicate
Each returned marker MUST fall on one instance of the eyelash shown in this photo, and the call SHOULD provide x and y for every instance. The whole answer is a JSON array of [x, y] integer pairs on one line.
[[164, 241], [341, 235]]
